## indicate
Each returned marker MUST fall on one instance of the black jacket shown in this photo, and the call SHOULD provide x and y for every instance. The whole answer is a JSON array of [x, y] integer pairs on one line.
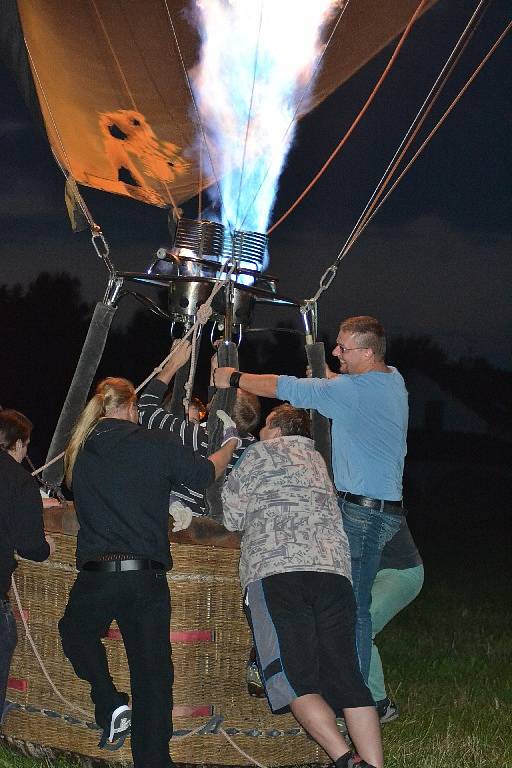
[[122, 479], [21, 519]]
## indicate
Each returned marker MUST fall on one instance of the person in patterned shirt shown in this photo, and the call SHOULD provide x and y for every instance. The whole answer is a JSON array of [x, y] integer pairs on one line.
[[296, 578]]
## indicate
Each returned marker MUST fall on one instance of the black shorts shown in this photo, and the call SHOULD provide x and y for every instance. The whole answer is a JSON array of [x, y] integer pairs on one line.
[[303, 627]]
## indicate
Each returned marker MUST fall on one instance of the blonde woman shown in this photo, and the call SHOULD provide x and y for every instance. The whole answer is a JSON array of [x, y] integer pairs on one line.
[[121, 475]]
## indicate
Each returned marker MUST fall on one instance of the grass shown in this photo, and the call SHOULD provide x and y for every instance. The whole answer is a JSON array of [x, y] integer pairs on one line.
[[448, 661]]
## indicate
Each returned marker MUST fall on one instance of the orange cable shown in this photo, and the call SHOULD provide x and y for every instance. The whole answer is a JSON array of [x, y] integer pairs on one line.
[[440, 121], [114, 56], [373, 205], [361, 114]]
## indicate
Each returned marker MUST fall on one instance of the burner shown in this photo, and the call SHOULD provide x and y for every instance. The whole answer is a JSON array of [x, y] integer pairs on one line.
[[193, 266]]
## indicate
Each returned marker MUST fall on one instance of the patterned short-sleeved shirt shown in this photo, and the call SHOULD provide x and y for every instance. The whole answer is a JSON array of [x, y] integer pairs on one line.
[[281, 497]]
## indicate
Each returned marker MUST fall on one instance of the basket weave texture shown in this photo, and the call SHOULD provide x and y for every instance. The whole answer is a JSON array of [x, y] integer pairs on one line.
[[209, 673]]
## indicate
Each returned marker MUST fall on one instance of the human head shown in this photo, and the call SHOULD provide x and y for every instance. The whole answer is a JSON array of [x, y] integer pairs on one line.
[[284, 421], [196, 410], [364, 342], [15, 431], [246, 411], [114, 398]]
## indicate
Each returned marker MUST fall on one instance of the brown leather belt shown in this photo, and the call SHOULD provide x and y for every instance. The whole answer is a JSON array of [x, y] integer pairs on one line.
[[115, 566], [393, 507]]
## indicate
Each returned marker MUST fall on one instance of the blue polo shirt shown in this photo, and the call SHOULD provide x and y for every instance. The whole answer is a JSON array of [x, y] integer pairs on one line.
[[369, 413]]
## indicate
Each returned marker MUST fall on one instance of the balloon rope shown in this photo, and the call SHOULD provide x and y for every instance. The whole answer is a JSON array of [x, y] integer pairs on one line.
[[303, 95], [39, 659], [114, 56], [357, 120], [64, 162], [130, 95], [416, 124], [371, 210], [196, 107], [203, 315], [200, 184], [249, 113], [440, 121]]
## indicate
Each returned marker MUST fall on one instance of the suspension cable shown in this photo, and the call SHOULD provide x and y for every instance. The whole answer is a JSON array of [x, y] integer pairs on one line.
[[302, 96], [203, 315], [357, 120], [196, 107], [124, 81], [249, 113], [200, 184], [418, 121], [440, 122], [425, 109], [64, 165], [114, 55]]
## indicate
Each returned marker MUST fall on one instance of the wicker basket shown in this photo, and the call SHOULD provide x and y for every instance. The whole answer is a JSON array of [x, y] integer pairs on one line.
[[210, 640]]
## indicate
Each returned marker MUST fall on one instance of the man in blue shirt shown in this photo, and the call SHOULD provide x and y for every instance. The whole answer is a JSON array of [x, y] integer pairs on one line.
[[369, 413]]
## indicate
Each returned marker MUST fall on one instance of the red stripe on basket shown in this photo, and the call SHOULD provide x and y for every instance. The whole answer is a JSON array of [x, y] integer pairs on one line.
[[17, 613], [191, 636], [17, 684], [202, 710]]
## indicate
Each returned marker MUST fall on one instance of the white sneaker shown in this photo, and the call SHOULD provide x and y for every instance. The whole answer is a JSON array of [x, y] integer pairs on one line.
[[120, 721], [387, 710], [113, 737]]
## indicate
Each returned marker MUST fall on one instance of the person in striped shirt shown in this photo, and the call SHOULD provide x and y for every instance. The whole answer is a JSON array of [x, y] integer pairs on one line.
[[153, 415]]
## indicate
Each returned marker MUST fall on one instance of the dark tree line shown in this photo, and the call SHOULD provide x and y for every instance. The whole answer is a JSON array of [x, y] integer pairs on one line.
[[43, 328]]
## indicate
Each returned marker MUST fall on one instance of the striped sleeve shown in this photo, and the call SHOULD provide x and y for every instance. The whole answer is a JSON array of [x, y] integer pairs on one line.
[[151, 413]]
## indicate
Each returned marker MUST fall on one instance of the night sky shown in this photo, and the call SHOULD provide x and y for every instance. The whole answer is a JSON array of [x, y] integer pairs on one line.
[[436, 260]]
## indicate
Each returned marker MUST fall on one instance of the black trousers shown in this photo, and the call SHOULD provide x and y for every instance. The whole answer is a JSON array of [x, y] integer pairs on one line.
[[140, 603], [8, 638]]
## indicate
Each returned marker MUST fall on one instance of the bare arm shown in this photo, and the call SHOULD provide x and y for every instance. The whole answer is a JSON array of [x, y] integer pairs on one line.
[[264, 385], [221, 458], [179, 358]]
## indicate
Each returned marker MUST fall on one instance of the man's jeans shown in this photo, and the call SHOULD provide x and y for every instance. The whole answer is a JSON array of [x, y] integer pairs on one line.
[[368, 530], [8, 638]]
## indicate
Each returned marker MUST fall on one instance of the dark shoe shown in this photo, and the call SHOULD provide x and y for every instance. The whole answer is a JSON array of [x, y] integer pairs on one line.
[[115, 733], [349, 760], [387, 710]]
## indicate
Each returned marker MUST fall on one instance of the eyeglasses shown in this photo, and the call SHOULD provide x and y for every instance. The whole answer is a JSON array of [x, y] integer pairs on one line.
[[348, 349]]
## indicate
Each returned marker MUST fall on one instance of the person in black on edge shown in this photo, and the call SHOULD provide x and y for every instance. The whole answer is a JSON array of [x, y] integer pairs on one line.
[[122, 475], [21, 526]]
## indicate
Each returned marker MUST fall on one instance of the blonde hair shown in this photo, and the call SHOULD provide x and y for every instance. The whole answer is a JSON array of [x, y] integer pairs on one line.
[[110, 393]]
